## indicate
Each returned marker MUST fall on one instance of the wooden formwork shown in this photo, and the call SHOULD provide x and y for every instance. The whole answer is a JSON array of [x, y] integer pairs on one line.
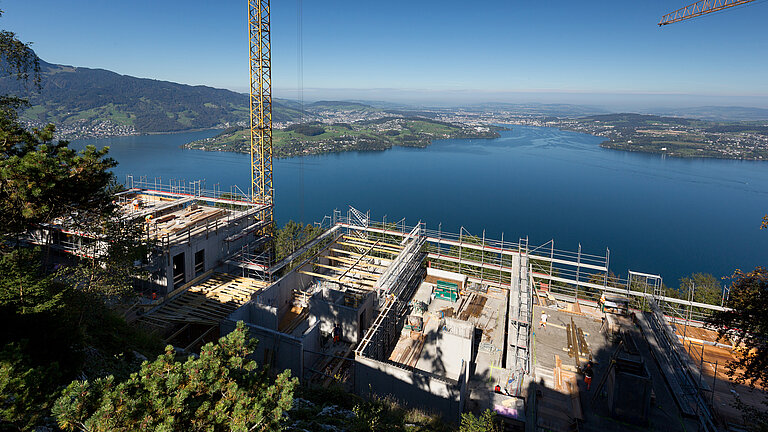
[[207, 302]]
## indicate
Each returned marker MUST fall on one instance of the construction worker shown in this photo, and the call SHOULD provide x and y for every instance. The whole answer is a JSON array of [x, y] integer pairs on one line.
[[602, 302], [543, 321], [336, 333], [589, 372]]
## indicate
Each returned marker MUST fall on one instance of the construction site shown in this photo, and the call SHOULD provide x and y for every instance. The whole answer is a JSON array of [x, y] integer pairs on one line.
[[445, 322], [448, 322]]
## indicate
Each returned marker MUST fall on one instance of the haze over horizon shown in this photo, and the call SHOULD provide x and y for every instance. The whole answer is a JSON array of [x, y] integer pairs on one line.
[[427, 53]]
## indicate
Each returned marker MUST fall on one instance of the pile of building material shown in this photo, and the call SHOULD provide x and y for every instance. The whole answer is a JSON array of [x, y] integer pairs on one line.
[[446, 291]]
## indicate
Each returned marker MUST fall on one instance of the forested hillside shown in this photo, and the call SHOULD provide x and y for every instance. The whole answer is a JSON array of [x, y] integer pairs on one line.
[[98, 102]]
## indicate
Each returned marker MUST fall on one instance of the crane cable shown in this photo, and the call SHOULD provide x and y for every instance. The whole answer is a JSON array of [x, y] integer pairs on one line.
[[300, 91]]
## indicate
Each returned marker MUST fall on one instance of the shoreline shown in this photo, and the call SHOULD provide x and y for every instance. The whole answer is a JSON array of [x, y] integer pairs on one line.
[[140, 134], [494, 135], [606, 145]]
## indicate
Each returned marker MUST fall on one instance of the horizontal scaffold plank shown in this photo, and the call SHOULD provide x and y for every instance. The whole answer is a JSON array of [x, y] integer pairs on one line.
[[470, 262], [629, 292], [569, 263]]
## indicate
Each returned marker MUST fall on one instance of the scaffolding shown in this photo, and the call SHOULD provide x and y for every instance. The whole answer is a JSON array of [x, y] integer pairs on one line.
[[498, 265], [578, 276], [681, 372], [520, 271], [194, 188]]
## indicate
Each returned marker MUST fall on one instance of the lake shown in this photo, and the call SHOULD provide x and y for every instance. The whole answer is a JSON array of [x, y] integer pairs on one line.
[[657, 215]]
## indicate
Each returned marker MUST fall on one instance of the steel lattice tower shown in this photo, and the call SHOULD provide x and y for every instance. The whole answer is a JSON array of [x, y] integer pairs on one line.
[[261, 105]]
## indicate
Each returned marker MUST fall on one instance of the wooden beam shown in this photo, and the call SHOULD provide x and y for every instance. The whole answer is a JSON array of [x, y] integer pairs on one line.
[[358, 254], [381, 243], [187, 348], [349, 261], [360, 272], [375, 248], [358, 260], [178, 332], [331, 278], [338, 366]]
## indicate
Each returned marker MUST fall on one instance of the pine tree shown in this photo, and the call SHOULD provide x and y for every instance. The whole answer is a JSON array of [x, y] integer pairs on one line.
[[220, 390]]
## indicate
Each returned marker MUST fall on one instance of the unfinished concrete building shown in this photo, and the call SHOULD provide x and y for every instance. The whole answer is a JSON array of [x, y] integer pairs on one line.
[[191, 231], [442, 321], [450, 323]]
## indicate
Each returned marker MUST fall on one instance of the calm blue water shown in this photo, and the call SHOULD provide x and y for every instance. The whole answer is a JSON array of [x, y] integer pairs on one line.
[[667, 216]]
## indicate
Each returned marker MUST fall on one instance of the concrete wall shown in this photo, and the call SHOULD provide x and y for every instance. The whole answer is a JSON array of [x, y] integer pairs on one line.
[[457, 344], [284, 351], [255, 313], [325, 306], [433, 275], [446, 348], [264, 316], [243, 313], [280, 293], [412, 387], [214, 244], [310, 342]]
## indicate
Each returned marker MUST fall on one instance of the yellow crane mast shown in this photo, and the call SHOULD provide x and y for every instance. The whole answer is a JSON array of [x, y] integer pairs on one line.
[[260, 45], [700, 8]]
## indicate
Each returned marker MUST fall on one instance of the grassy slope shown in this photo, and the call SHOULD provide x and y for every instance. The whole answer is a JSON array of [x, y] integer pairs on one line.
[[84, 97]]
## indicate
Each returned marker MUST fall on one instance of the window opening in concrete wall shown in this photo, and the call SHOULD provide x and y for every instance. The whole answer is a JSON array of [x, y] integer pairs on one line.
[[179, 273], [362, 323], [199, 262]]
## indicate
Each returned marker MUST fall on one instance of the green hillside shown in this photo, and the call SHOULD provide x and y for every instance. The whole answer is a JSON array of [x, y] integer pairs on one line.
[[97, 102], [369, 135]]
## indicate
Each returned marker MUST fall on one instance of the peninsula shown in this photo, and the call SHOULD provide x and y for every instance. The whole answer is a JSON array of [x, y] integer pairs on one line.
[[674, 136], [379, 133]]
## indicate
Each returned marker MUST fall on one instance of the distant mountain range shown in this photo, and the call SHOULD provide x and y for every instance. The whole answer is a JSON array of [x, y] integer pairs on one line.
[[539, 109], [715, 113], [83, 100]]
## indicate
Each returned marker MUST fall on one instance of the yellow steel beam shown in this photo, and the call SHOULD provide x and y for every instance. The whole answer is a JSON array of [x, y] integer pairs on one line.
[[260, 55], [700, 8]]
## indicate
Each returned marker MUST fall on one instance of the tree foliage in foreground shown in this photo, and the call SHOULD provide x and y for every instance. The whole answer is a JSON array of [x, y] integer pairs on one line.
[[41, 180], [706, 288], [292, 236], [219, 390], [18, 59], [485, 422], [747, 324]]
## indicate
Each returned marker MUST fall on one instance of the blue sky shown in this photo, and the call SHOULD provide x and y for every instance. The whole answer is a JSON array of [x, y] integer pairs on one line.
[[430, 51]]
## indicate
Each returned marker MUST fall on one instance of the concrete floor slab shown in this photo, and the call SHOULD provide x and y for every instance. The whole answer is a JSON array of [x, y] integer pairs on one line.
[[552, 341]]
